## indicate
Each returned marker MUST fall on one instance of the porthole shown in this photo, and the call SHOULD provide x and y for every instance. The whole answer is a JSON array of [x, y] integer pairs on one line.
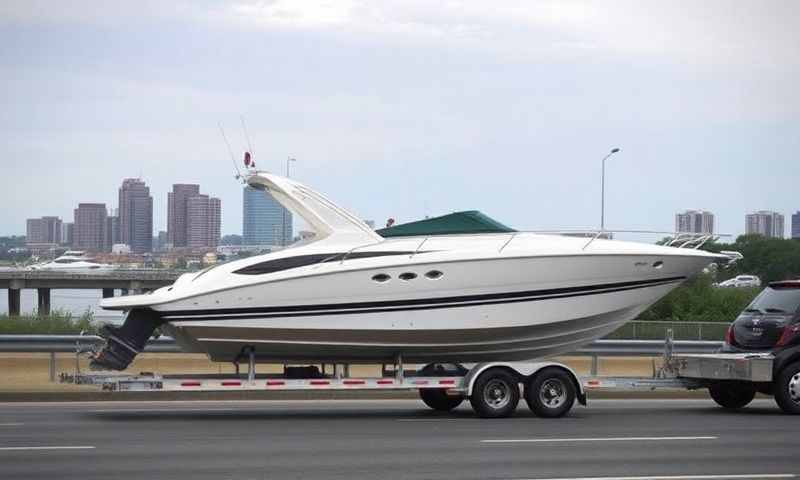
[[658, 264], [407, 276], [434, 274], [381, 278]]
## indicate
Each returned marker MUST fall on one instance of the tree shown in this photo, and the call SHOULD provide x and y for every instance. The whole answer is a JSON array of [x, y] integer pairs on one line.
[[770, 259]]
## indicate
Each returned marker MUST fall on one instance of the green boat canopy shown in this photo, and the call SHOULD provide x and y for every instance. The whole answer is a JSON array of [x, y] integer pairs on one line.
[[470, 221]]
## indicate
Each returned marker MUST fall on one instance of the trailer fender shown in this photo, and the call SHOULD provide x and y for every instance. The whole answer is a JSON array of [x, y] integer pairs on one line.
[[524, 370]]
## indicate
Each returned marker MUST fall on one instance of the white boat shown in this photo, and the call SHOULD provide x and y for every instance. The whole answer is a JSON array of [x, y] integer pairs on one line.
[[73, 261], [352, 296]]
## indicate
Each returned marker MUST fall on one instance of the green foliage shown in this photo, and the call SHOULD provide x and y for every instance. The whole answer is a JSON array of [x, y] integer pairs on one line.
[[58, 322], [698, 300], [770, 259]]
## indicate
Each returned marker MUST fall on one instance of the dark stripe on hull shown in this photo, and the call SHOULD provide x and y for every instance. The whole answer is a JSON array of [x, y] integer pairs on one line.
[[411, 304]]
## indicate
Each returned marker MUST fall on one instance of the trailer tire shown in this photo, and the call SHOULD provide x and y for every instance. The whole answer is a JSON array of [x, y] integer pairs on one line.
[[732, 396], [787, 389], [495, 393], [438, 399], [550, 393]]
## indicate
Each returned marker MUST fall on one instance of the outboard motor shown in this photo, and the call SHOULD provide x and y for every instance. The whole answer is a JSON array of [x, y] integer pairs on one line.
[[125, 342]]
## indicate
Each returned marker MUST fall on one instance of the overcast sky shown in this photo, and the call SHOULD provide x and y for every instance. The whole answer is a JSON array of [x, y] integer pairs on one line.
[[408, 108]]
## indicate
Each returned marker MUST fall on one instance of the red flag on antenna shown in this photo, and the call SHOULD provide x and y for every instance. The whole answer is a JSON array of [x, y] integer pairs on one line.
[[247, 159]]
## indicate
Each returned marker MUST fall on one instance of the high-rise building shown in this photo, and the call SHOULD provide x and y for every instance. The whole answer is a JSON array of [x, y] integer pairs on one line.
[[161, 241], [796, 225], [193, 219], [176, 212], [89, 226], [66, 233], [694, 221], [44, 230], [136, 215], [265, 221], [764, 222], [112, 231], [203, 218]]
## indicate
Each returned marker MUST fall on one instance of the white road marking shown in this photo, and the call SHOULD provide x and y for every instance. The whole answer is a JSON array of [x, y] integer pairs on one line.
[[11, 424], [52, 447], [752, 476], [596, 439], [168, 410], [434, 419]]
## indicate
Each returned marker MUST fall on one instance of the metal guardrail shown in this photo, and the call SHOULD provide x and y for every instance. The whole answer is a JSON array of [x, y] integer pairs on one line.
[[77, 344], [69, 343]]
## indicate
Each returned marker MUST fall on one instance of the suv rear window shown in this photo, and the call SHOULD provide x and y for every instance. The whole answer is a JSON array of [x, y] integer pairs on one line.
[[777, 300]]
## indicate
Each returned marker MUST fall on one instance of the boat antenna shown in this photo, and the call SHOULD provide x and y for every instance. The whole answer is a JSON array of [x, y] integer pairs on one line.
[[230, 151], [246, 136]]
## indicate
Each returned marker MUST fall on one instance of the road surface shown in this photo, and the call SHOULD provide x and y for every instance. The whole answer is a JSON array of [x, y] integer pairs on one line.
[[648, 439]]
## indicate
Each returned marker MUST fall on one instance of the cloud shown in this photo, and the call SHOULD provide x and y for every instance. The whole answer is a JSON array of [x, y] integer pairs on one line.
[[716, 32]]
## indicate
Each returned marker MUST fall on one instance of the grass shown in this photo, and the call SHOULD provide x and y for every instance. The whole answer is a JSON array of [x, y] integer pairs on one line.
[[58, 322]]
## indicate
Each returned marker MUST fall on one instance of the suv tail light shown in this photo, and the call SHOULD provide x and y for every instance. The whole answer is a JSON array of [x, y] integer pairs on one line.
[[790, 332], [729, 338]]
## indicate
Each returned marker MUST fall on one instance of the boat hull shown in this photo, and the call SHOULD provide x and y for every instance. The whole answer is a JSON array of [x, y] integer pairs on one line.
[[524, 328]]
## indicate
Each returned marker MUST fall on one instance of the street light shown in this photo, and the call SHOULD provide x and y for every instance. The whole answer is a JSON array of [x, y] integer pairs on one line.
[[603, 190], [283, 210]]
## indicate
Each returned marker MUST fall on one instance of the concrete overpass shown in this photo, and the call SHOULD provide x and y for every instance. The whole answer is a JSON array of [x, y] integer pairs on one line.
[[44, 281]]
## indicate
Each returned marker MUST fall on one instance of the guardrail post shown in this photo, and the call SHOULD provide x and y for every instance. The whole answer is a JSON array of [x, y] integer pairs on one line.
[[594, 368], [52, 366], [634, 330], [699, 331]]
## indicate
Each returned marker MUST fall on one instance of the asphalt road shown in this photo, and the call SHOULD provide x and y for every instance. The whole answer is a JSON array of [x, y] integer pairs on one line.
[[669, 439]]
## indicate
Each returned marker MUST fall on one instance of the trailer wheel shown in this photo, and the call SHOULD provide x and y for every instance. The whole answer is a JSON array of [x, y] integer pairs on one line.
[[550, 393], [787, 389], [438, 399], [495, 394], [732, 395]]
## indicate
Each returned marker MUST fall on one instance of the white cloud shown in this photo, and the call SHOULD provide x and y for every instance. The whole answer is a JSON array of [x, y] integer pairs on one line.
[[717, 32]]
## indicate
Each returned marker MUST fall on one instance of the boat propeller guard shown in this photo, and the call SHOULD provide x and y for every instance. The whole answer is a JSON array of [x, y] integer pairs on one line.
[[125, 342]]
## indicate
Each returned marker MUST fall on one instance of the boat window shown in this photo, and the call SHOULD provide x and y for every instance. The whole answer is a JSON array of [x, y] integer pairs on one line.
[[381, 278], [287, 263], [66, 260], [434, 274], [658, 264], [408, 276]]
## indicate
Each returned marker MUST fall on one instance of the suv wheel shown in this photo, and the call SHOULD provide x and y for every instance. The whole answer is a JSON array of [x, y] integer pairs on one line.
[[787, 389]]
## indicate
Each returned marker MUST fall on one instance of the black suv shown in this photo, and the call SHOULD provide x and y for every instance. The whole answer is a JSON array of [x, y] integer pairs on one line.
[[770, 323]]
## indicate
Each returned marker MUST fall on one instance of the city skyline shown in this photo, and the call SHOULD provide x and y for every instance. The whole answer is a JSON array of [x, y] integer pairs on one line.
[[206, 230]]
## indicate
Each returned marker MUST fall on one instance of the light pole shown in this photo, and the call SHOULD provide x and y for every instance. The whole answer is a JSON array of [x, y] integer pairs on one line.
[[603, 190], [283, 209]]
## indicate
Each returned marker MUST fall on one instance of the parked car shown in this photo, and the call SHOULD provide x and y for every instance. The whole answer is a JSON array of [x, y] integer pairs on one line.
[[771, 321], [741, 281]]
